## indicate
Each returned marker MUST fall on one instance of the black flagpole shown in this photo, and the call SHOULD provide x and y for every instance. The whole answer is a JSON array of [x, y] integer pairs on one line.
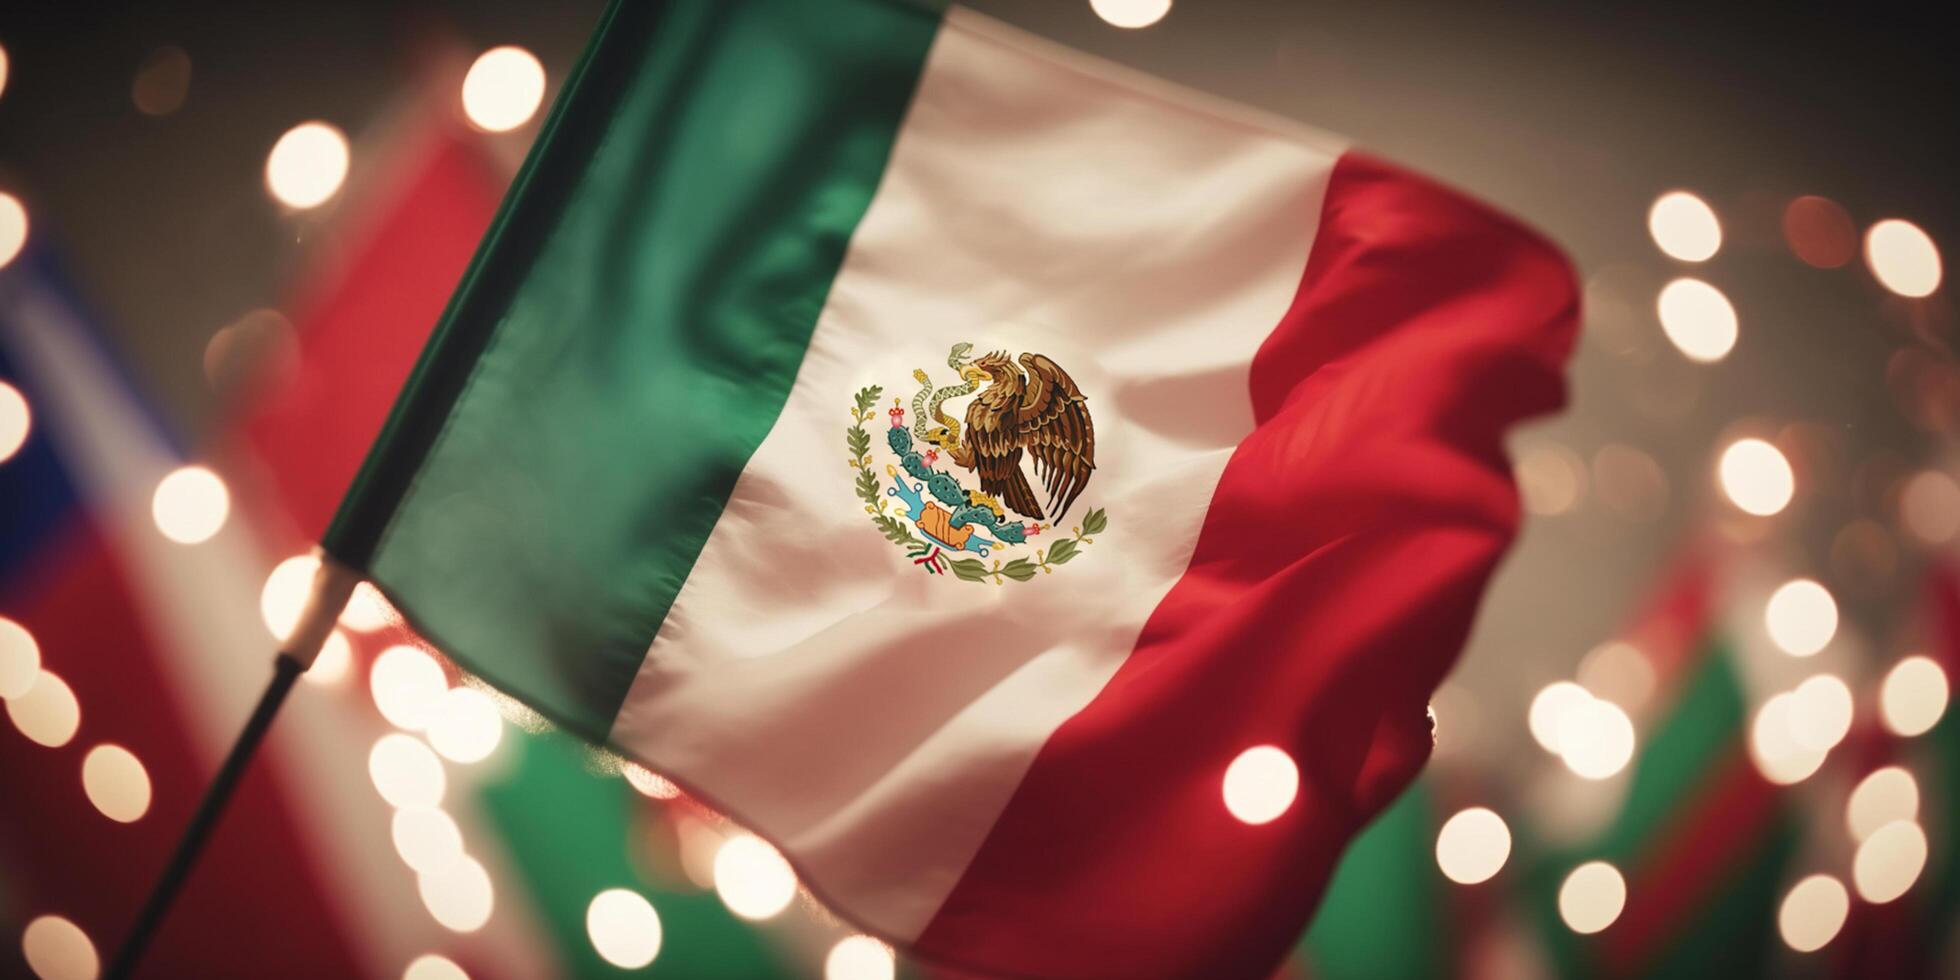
[[331, 587]]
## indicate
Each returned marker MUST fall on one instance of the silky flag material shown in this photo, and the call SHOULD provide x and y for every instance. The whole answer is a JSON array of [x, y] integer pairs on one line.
[[947, 454]]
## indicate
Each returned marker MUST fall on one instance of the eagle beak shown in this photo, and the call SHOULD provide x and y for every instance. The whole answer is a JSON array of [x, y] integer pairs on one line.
[[974, 374]]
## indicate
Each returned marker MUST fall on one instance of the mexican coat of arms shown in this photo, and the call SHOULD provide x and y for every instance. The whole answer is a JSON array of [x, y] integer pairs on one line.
[[960, 494]]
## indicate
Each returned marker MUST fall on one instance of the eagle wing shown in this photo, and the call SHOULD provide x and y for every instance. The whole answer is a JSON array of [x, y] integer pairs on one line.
[[991, 436], [1053, 423]]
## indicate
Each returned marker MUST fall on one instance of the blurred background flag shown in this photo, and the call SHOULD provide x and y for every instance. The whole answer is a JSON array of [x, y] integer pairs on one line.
[[117, 716], [1687, 873], [611, 487], [118, 668]]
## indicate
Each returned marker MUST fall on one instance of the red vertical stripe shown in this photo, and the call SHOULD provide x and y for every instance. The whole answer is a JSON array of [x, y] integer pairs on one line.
[[1332, 585]]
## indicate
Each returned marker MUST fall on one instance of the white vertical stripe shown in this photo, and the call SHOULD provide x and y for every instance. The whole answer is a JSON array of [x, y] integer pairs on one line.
[[873, 719]]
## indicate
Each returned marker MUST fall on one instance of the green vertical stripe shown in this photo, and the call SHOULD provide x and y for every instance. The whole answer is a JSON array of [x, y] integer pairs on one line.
[[571, 834], [1383, 916], [639, 331], [571, 132]]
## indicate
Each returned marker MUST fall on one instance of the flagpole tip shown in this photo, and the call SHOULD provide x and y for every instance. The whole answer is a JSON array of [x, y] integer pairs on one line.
[[333, 584]]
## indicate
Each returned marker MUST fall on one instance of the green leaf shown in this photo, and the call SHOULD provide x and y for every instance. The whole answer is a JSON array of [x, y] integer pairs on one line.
[[867, 397], [858, 439], [1095, 521], [867, 486], [1062, 552], [1020, 570], [896, 531], [969, 569]]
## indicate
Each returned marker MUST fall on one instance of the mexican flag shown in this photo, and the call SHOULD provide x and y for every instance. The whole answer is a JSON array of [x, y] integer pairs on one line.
[[1036, 499]]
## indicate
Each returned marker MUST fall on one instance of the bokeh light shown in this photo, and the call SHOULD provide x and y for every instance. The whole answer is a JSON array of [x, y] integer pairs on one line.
[[257, 351], [859, 958], [1801, 617], [13, 228], [1819, 713], [752, 878], [1888, 794], [464, 725], [1473, 846], [57, 949], [335, 659], [1929, 507], [648, 782], [517, 713], [407, 684], [286, 590], [1131, 14], [1260, 784], [430, 966], [406, 773], [1903, 258], [460, 897], [1630, 483], [1549, 708], [367, 609], [426, 838], [1889, 861], [16, 420], [700, 843], [1588, 725], [1697, 319], [1618, 672], [116, 782], [1592, 897], [5, 67], [623, 927], [48, 713], [162, 82], [1684, 227], [1819, 232], [1777, 754], [503, 89], [1913, 696], [20, 660], [1757, 477], [1551, 479], [307, 165], [190, 505], [1595, 739], [1812, 913]]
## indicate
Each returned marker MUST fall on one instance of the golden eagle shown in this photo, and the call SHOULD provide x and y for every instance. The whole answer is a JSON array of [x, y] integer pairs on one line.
[[1041, 412]]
